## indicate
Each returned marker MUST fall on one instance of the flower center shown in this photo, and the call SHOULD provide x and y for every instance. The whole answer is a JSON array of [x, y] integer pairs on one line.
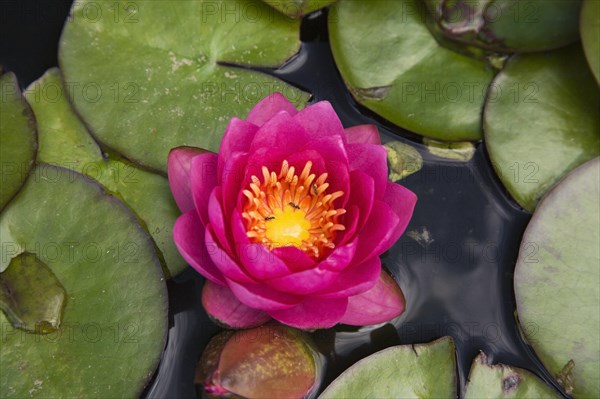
[[287, 209]]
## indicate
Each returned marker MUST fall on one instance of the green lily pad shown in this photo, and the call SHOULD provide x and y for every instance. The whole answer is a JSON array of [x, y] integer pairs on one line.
[[18, 141], [501, 381], [41, 312], [541, 121], [394, 66], [298, 8], [590, 34], [508, 25], [166, 87], [64, 141], [149, 197], [115, 318], [557, 280], [406, 371]]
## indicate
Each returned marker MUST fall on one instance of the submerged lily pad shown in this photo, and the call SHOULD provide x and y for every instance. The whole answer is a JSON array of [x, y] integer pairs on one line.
[[64, 141], [298, 8], [406, 371], [403, 160], [590, 34], [18, 141], [393, 65], [458, 151], [115, 318], [508, 25], [165, 87], [270, 361], [501, 381], [30, 295], [541, 121], [557, 279]]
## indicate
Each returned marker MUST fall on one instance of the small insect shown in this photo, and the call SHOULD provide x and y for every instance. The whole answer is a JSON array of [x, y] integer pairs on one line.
[[314, 187], [269, 218], [294, 205]]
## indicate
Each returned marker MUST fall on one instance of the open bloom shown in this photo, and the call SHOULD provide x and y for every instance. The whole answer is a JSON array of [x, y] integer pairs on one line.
[[289, 219]]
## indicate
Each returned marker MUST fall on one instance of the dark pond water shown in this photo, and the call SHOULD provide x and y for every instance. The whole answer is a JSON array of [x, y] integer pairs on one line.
[[458, 283]]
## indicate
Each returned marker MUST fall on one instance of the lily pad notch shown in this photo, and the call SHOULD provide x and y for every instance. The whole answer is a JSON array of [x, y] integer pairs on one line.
[[162, 91]]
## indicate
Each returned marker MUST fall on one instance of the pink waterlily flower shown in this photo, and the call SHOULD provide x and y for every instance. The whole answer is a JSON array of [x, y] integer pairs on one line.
[[288, 220]]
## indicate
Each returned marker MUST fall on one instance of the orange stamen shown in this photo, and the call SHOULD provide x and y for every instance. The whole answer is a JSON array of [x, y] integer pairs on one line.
[[292, 210]]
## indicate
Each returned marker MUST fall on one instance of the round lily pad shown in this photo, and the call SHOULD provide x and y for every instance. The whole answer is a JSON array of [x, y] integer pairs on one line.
[[501, 381], [65, 141], [298, 8], [18, 138], [394, 66], [557, 281], [541, 121], [406, 371], [590, 34], [114, 322], [176, 71], [508, 25]]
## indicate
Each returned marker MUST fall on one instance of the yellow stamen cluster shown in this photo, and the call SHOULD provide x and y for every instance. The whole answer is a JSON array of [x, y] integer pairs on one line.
[[292, 210]]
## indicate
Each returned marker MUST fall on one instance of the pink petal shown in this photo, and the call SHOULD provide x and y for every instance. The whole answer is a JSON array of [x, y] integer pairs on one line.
[[339, 258], [305, 282], [220, 303], [238, 228], [260, 296], [331, 148], [216, 218], [356, 279], [371, 159], [363, 134], [362, 195], [281, 131], [320, 120], [258, 261], [269, 107], [313, 313], [350, 221], [237, 138], [179, 165], [188, 234], [379, 233], [231, 180], [402, 201], [223, 260], [381, 303], [295, 259], [203, 176]]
